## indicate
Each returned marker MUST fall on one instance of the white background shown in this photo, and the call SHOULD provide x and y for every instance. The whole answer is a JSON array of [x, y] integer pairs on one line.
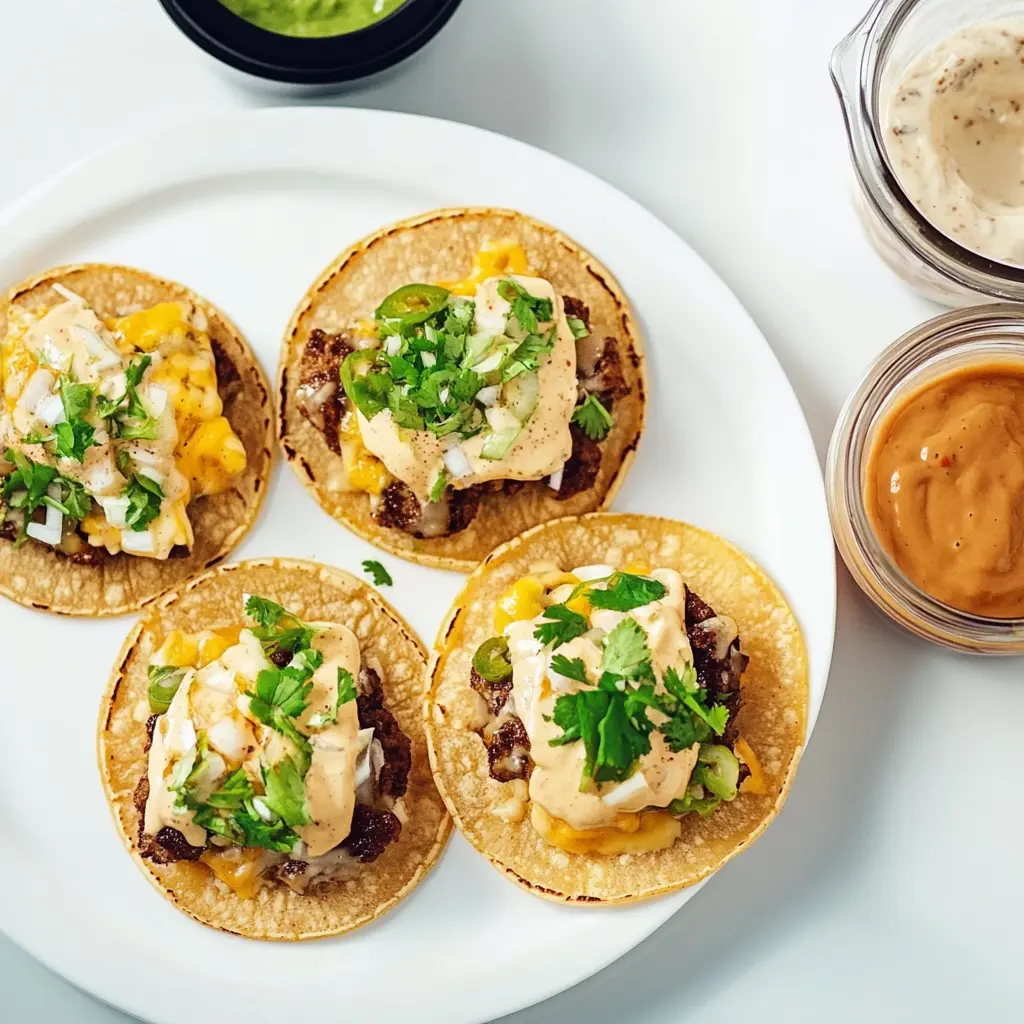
[[891, 887]]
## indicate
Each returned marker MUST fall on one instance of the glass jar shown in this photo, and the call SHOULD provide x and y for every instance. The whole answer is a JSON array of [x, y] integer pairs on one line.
[[982, 334], [865, 67]]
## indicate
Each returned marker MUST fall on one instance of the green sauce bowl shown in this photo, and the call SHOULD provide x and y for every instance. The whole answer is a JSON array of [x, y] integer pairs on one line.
[[311, 42]]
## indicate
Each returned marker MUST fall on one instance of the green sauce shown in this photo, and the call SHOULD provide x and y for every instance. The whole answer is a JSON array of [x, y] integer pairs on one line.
[[312, 18]]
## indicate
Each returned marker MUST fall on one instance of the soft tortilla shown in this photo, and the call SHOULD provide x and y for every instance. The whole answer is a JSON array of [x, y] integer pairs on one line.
[[440, 246], [38, 577], [772, 716], [315, 593]]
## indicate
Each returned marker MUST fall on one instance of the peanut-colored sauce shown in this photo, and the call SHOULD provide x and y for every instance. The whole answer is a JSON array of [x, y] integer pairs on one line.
[[945, 488]]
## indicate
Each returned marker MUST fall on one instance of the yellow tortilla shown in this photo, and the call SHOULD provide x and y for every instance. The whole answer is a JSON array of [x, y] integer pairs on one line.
[[441, 246], [37, 576], [772, 716], [315, 593]]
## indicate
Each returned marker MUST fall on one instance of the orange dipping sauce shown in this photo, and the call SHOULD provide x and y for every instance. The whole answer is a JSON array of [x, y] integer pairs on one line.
[[945, 488]]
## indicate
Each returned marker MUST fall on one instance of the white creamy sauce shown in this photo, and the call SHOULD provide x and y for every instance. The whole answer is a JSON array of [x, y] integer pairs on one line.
[[212, 701], [954, 134], [555, 783], [417, 456]]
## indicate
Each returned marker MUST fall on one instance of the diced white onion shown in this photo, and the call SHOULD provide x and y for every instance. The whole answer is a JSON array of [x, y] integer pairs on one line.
[[49, 531], [393, 345], [624, 791], [144, 457], [499, 418], [68, 294], [91, 340], [116, 511], [154, 475], [555, 480], [138, 541], [230, 737], [113, 386], [185, 740], [522, 394], [51, 410], [456, 462], [36, 390], [156, 400], [443, 395], [429, 359], [488, 396], [262, 809]]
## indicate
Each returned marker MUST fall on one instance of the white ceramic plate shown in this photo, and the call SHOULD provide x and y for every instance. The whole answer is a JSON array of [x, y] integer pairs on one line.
[[248, 209]]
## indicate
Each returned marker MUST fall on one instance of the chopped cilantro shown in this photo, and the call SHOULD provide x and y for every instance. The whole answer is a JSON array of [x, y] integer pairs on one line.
[[380, 576], [564, 625], [578, 327], [74, 438], [277, 629], [570, 668], [145, 496], [285, 793], [626, 653], [594, 419], [626, 592]]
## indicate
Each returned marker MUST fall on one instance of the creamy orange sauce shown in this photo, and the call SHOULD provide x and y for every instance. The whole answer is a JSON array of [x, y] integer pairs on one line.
[[945, 488]]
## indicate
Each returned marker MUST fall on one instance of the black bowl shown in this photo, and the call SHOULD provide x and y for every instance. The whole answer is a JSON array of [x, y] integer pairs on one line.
[[310, 61]]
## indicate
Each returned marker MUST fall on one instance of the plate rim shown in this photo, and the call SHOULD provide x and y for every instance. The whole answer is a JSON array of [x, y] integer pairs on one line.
[[263, 121]]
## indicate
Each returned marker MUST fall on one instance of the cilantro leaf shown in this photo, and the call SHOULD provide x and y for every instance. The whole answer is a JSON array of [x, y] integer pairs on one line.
[[622, 743], [570, 668], [578, 327], [76, 501], [564, 625], [593, 418], [626, 653], [74, 438], [380, 576], [285, 793], [278, 629], [526, 357], [566, 717], [266, 612], [145, 496], [626, 592], [76, 399], [233, 792]]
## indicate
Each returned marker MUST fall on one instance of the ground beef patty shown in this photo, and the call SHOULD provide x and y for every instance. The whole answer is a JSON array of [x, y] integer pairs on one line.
[[394, 776], [319, 392]]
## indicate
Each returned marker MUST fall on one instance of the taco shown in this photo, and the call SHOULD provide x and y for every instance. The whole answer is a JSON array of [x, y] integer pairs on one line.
[[457, 378], [616, 708], [135, 438], [261, 745]]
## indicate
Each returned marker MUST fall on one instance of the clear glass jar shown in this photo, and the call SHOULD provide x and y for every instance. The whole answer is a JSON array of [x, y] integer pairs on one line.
[[865, 66], [982, 334]]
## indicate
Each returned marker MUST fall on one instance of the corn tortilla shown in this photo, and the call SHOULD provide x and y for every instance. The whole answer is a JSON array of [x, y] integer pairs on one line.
[[441, 246], [314, 593], [37, 576], [772, 716]]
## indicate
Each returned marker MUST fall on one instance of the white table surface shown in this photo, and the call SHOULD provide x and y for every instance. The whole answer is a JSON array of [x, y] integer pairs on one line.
[[891, 886]]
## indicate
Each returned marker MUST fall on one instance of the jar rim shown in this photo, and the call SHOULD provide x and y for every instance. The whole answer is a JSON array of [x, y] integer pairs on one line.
[[898, 370], [858, 63]]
